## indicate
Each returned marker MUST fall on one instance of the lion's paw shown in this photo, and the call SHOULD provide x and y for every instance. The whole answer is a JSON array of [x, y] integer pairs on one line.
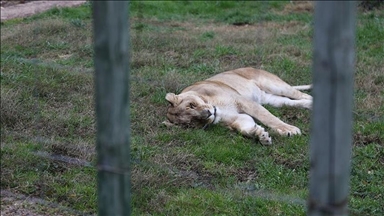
[[263, 135], [265, 139], [308, 104], [287, 130]]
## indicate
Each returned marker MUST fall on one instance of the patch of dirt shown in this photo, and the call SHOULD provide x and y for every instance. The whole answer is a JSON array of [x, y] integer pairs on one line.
[[368, 5], [245, 174], [8, 3], [25, 8], [360, 139], [289, 163], [299, 7], [18, 204], [187, 169]]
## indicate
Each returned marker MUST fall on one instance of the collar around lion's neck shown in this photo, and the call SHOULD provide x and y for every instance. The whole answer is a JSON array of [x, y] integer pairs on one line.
[[214, 119]]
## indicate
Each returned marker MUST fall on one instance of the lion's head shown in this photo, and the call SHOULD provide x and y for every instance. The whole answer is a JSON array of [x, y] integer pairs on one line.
[[189, 110]]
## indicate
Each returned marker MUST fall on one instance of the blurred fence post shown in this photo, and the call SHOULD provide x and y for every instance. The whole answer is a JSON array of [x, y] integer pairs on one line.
[[331, 135], [111, 45]]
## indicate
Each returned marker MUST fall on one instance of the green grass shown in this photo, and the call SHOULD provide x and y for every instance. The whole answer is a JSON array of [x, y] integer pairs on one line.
[[47, 91]]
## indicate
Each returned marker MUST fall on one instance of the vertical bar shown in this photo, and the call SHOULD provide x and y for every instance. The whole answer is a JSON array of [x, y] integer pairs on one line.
[[112, 106], [331, 135]]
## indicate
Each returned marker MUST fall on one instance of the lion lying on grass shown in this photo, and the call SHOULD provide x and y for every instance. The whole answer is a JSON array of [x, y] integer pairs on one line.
[[234, 99]]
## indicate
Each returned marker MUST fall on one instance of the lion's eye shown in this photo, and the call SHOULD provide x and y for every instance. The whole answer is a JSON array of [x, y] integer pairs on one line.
[[192, 105]]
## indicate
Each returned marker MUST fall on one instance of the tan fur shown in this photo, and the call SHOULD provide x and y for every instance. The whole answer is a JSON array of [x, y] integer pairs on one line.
[[238, 96]]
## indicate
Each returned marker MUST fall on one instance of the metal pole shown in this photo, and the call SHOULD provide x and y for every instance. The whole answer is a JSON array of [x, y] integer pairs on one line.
[[331, 135], [111, 59]]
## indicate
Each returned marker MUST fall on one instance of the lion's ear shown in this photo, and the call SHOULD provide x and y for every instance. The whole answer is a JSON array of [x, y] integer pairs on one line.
[[171, 98]]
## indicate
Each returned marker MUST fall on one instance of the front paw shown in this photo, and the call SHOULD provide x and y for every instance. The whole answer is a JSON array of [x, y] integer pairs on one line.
[[287, 130], [263, 135], [265, 139]]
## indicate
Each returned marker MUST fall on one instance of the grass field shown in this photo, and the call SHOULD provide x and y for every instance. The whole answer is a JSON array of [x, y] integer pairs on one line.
[[48, 120]]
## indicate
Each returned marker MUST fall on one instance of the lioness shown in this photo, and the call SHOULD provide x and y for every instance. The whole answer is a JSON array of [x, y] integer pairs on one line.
[[234, 98]]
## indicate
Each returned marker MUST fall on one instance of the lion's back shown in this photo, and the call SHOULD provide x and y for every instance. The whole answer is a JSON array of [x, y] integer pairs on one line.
[[239, 82]]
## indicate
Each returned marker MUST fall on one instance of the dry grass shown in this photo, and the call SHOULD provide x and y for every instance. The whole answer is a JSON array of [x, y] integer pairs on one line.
[[44, 101], [370, 82], [299, 7], [13, 113]]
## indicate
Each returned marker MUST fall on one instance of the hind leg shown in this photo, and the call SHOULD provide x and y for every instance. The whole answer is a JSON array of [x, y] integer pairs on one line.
[[279, 101], [281, 88], [272, 84]]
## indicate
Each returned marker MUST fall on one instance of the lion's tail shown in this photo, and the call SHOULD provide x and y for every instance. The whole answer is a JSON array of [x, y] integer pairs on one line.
[[302, 87]]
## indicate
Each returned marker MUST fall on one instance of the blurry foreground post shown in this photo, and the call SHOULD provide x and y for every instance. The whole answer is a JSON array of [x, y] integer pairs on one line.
[[111, 59], [331, 135]]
